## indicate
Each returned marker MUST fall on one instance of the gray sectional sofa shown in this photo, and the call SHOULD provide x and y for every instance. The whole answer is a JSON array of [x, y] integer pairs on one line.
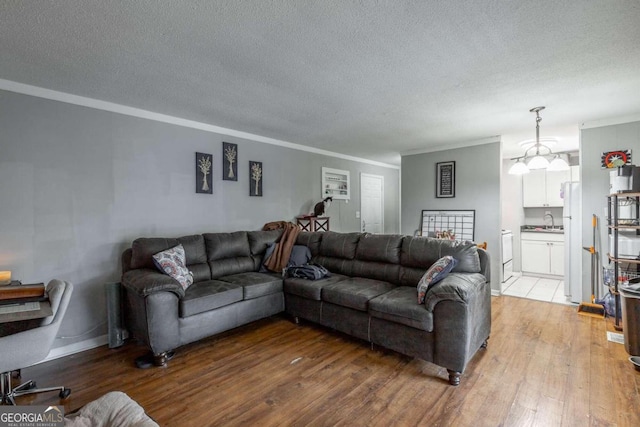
[[371, 293]]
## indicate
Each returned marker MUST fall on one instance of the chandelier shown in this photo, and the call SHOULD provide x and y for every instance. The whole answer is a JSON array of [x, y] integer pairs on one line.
[[538, 159]]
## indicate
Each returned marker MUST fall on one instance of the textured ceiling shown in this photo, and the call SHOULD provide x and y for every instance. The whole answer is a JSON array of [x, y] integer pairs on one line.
[[364, 78]]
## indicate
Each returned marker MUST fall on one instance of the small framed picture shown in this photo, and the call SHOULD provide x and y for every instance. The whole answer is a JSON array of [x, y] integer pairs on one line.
[[445, 179], [204, 182], [229, 161], [255, 178], [615, 159]]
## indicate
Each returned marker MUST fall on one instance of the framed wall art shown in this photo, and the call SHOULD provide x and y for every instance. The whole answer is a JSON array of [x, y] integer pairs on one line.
[[615, 159], [255, 178], [204, 182], [445, 179], [229, 161]]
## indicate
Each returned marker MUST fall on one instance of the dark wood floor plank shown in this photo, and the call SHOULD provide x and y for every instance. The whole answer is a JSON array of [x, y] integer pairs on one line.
[[544, 366]]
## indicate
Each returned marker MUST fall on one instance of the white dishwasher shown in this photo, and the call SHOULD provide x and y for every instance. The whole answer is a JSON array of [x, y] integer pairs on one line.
[[507, 255]]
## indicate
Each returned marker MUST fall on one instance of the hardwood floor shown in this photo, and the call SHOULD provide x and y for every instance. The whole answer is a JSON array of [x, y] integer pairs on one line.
[[544, 366]]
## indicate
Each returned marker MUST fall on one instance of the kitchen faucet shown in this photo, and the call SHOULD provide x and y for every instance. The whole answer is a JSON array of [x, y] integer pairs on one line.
[[544, 218]]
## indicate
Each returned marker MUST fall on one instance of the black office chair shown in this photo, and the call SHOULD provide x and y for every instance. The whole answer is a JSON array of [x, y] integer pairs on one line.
[[29, 347]]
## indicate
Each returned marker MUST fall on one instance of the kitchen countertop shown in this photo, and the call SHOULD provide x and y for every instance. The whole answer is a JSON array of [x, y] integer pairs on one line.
[[541, 229]]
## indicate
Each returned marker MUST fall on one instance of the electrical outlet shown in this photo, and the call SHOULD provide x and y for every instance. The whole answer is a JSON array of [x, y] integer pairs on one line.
[[357, 214]]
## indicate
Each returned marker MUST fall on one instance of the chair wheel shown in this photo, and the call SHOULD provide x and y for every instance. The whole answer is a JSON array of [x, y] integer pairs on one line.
[[65, 393], [31, 384]]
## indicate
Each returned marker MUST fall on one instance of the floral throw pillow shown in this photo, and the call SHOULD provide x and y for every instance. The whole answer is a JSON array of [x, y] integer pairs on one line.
[[173, 262], [434, 274]]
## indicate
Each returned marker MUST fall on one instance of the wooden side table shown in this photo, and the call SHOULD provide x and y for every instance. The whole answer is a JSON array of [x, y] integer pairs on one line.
[[313, 223]]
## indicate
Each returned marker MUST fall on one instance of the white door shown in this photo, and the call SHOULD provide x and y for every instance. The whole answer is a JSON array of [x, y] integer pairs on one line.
[[371, 203]]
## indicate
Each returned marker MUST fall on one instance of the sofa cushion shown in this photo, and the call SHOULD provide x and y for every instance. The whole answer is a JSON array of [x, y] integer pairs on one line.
[[434, 274], [260, 240], [172, 262], [399, 305], [379, 248], [467, 256], [311, 240], [209, 295], [355, 292], [339, 245], [227, 245], [143, 249], [229, 266], [335, 265], [311, 289], [255, 284], [228, 253], [375, 270], [421, 252]]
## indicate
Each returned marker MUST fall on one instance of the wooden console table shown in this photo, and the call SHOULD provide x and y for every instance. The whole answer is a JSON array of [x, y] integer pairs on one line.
[[313, 223]]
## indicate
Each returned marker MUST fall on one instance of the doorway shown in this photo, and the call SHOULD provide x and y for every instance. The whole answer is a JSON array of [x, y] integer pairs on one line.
[[371, 203]]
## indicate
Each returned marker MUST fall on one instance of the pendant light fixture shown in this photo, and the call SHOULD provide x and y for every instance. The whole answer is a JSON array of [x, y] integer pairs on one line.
[[539, 160]]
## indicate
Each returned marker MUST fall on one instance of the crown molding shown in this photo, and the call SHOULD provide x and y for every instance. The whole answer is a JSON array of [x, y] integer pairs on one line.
[[97, 104], [611, 121], [452, 146]]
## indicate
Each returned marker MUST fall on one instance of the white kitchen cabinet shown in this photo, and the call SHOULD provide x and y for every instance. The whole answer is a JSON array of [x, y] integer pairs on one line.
[[542, 253], [556, 253], [541, 188], [553, 187], [534, 189], [535, 257]]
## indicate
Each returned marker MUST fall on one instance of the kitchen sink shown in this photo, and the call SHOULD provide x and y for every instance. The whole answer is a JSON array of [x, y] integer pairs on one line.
[[554, 230], [541, 229]]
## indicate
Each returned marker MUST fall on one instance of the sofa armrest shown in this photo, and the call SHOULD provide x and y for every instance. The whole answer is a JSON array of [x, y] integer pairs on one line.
[[144, 281], [152, 309], [460, 287], [461, 306]]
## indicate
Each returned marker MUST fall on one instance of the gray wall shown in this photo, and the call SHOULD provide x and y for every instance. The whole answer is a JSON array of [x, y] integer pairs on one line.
[[595, 184], [478, 170], [79, 184]]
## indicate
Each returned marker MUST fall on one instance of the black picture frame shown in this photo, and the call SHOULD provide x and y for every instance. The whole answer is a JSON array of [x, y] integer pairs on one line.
[[204, 173], [229, 161], [256, 178], [445, 180]]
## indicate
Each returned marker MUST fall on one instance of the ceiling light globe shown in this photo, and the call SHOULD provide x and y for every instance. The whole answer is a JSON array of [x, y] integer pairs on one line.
[[518, 168], [558, 164], [538, 162]]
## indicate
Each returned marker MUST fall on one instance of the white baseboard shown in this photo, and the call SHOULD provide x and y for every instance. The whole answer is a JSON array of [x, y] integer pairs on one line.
[[495, 293], [76, 347]]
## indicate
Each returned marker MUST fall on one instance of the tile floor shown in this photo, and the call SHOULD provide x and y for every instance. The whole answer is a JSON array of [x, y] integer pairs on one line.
[[538, 288]]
